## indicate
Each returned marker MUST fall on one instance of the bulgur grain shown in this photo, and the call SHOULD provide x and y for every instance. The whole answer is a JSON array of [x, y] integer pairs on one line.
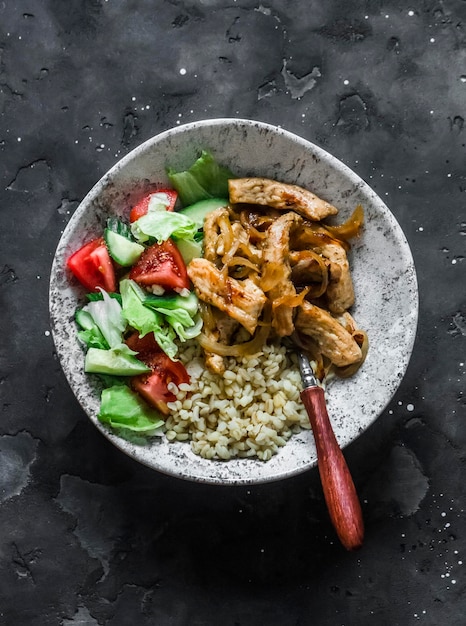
[[250, 410]]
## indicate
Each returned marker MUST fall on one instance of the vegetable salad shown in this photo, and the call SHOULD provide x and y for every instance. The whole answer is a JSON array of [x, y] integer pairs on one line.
[[140, 304]]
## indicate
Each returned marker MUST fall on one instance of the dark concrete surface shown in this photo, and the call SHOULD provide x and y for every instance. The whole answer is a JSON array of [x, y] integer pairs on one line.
[[89, 537]]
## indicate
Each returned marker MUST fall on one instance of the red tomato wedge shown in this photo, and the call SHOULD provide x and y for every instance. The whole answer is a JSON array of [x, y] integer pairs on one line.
[[154, 387], [93, 266], [145, 346], [142, 206], [161, 264]]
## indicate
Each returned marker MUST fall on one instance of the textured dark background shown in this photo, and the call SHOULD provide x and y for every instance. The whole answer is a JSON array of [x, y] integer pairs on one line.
[[89, 537]]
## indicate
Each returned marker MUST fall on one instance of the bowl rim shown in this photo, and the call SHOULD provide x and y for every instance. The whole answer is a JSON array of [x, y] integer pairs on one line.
[[305, 144]]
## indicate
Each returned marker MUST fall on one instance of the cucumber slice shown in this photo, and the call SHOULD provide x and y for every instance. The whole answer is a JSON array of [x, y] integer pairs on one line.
[[198, 211], [84, 319], [114, 362], [189, 250], [121, 249]]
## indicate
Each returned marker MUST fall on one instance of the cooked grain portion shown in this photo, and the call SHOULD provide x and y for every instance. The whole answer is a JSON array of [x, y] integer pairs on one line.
[[249, 411]]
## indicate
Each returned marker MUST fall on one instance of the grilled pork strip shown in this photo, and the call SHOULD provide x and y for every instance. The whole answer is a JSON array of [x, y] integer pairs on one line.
[[282, 196], [334, 341], [340, 290], [241, 300], [276, 272]]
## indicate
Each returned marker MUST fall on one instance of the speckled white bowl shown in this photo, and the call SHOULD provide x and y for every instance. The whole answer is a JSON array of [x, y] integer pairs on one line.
[[382, 266]]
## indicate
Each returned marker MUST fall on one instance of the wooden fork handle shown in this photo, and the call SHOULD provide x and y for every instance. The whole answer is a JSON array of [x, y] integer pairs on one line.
[[340, 493]]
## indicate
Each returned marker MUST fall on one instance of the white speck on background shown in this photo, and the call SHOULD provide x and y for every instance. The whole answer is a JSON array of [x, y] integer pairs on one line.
[[410, 13], [432, 40], [47, 333], [410, 407], [346, 82], [182, 71]]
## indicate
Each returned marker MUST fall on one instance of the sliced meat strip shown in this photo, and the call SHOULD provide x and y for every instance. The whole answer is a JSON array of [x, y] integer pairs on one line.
[[276, 251], [225, 328], [282, 196], [276, 271], [334, 341], [282, 320], [241, 300], [212, 240], [340, 290], [214, 362]]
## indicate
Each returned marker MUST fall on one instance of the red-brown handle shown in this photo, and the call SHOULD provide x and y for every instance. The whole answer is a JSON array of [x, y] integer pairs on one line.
[[339, 490]]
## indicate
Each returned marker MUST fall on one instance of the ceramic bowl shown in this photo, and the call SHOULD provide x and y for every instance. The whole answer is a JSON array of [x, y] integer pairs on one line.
[[382, 268]]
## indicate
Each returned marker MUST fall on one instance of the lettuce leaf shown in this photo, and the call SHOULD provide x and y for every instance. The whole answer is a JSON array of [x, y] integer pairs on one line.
[[138, 316], [169, 303], [122, 408], [89, 332], [162, 225], [108, 317], [144, 319], [116, 361], [186, 332], [180, 312], [204, 179], [96, 295]]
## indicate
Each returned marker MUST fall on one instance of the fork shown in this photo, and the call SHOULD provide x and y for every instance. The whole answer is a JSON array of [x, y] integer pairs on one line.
[[339, 491]]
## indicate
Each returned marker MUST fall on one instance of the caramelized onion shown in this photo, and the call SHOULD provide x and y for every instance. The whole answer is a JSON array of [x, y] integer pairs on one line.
[[291, 300], [273, 274], [241, 261], [351, 228], [317, 289], [207, 315], [362, 340], [226, 231], [239, 349], [248, 348], [311, 235]]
